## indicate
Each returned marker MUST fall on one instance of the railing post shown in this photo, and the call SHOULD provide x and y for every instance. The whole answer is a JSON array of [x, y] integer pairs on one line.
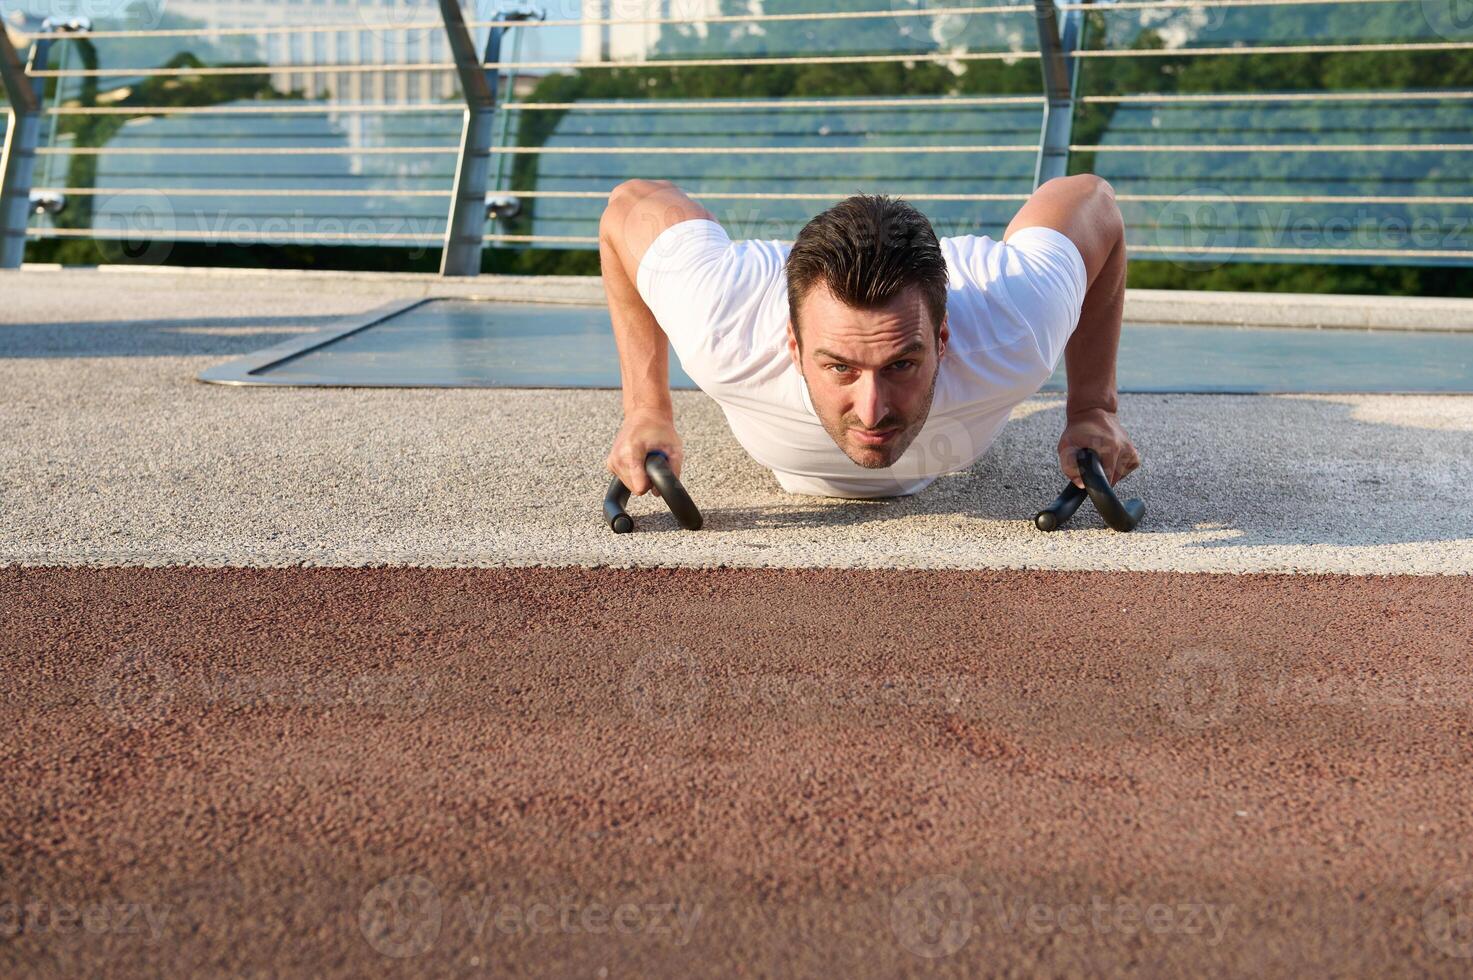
[[466, 225], [18, 159], [1056, 48]]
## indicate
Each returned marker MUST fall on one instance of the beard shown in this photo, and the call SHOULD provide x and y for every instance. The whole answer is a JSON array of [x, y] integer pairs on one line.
[[878, 457]]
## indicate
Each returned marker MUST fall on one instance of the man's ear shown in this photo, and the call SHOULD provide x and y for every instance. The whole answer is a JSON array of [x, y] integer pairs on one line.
[[943, 336], [793, 351]]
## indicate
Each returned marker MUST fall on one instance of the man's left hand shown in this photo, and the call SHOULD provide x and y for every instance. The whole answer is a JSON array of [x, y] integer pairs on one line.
[[1099, 430]]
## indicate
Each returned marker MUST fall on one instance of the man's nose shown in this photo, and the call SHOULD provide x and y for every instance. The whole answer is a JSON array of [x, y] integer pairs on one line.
[[870, 401]]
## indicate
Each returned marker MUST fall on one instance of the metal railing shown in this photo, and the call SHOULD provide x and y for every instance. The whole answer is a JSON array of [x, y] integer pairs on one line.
[[477, 193]]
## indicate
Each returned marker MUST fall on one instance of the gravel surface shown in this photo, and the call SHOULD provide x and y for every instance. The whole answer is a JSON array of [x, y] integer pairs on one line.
[[116, 456]]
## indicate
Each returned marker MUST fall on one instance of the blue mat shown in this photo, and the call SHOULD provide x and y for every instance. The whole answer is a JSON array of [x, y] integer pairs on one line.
[[480, 344]]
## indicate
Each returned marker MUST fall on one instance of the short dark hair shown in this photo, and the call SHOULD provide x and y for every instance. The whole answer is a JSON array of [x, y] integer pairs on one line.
[[867, 249]]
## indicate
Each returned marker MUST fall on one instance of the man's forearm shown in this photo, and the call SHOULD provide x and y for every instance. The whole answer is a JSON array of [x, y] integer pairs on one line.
[[644, 351], [1091, 352]]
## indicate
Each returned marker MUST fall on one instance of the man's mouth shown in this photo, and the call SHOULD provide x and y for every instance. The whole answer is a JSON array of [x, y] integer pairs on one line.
[[874, 437]]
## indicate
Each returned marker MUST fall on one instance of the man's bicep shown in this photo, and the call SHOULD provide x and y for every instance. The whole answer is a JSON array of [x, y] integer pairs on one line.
[[640, 211], [1082, 208]]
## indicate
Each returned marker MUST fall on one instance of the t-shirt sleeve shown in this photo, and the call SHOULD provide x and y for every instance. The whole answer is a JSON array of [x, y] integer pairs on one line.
[[1035, 280], [708, 293]]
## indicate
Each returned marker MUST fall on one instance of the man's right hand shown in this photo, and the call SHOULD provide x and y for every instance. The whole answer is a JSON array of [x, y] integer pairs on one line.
[[641, 434]]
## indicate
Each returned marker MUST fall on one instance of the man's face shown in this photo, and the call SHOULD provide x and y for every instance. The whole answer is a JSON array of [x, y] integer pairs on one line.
[[871, 373]]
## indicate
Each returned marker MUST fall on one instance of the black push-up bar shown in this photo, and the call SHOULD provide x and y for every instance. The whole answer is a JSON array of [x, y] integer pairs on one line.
[[1118, 514], [657, 465], [1121, 515]]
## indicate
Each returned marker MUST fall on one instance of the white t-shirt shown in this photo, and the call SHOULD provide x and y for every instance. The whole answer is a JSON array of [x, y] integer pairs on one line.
[[724, 305]]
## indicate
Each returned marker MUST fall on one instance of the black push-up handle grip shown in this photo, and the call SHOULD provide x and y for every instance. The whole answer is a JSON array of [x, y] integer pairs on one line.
[[657, 465], [1052, 517], [1122, 515], [1118, 514]]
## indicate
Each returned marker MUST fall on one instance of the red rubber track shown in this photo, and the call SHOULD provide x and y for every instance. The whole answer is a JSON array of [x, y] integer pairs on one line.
[[687, 772]]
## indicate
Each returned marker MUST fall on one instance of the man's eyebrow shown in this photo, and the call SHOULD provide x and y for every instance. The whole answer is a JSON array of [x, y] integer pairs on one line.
[[910, 349]]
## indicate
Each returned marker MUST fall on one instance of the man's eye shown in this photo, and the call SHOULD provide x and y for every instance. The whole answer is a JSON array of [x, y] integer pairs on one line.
[[902, 365], [839, 368]]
